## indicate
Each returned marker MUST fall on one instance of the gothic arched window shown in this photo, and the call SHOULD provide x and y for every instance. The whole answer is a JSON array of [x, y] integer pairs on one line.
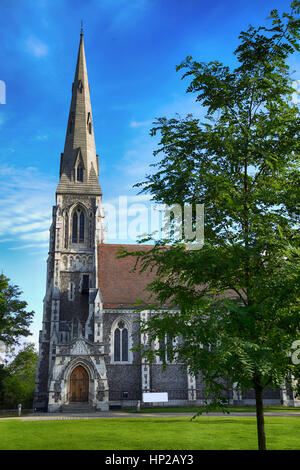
[[78, 222], [120, 343]]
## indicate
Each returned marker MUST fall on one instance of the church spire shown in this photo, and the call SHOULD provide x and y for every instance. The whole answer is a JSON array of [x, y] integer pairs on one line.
[[79, 163]]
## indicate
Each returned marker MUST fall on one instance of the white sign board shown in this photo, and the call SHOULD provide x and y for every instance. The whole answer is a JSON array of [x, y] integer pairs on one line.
[[155, 397]]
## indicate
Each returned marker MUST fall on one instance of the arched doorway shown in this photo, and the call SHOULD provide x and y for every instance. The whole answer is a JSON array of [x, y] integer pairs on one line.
[[79, 385]]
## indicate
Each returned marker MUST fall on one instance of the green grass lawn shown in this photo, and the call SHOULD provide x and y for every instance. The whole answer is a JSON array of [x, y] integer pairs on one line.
[[234, 409], [205, 433]]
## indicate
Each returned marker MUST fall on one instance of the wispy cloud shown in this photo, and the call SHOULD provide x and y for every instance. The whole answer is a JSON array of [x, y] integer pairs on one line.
[[36, 47], [25, 207], [135, 163], [38, 236], [122, 14], [134, 124], [29, 245], [42, 137]]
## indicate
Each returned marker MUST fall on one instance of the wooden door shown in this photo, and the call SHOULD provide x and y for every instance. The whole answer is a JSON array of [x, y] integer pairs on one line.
[[79, 385]]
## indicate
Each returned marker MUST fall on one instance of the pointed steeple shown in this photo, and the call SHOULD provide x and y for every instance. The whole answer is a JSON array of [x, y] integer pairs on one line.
[[79, 170]]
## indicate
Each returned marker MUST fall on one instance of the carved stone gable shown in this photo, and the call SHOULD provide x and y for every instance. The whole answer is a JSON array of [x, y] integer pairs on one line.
[[79, 348]]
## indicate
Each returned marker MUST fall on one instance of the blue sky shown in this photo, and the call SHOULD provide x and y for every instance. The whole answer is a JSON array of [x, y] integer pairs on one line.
[[132, 48]]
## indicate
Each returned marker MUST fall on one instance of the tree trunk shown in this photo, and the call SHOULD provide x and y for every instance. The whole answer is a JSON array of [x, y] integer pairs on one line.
[[260, 417]]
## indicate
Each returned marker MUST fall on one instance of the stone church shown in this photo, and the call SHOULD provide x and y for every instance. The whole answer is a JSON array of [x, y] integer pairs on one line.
[[90, 323]]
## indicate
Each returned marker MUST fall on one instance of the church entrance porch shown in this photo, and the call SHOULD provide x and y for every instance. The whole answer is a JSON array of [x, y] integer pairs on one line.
[[79, 385], [79, 381]]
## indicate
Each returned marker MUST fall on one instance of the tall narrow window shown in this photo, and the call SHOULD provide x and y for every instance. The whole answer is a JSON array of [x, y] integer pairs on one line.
[[121, 343], [66, 231], [75, 227], [166, 349], [89, 123], [78, 226], [124, 344], [169, 348], [81, 227], [85, 283], [79, 173], [71, 291], [117, 341], [71, 123], [75, 328]]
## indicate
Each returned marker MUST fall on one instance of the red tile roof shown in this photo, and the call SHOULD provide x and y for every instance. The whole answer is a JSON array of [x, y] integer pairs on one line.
[[118, 285]]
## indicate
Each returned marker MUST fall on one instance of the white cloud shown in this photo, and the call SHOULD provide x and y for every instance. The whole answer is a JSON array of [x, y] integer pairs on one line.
[[138, 198], [29, 245], [38, 236], [134, 124], [41, 137], [35, 226], [25, 206], [36, 47], [135, 163]]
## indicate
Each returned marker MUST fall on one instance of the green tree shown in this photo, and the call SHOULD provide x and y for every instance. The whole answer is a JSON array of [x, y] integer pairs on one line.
[[238, 296], [19, 384], [3, 375], [14, 318]]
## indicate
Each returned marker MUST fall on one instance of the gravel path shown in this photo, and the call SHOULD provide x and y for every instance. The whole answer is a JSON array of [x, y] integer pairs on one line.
[[120, 414]]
